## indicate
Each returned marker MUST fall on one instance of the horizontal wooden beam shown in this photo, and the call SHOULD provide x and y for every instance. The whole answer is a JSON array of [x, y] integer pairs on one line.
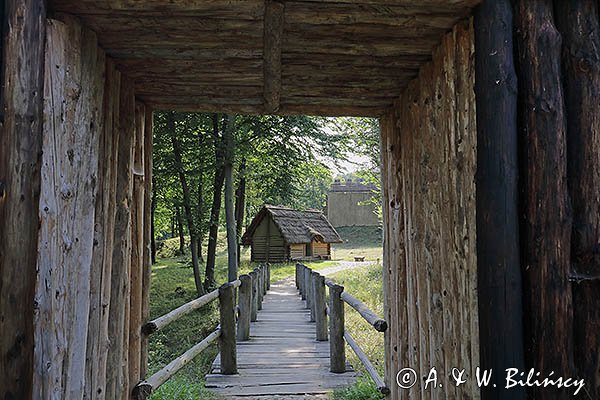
[[161, 322], [273, 33]]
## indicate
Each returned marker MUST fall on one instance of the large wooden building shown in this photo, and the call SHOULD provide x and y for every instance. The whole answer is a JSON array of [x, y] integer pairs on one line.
[[279, 234], [490, 135]]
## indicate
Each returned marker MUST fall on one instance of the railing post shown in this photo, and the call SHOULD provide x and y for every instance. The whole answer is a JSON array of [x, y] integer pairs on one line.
[[307, 286], [264, 276], [320, 307], [227, 338], [296, 277], [302, 281], [311, 284], [259, 285], [245, 303], [268, 276], [254, 311], [337, 348]]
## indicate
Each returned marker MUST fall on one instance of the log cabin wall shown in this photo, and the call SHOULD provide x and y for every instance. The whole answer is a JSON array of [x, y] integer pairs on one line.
[[430, 266], [93, 212]]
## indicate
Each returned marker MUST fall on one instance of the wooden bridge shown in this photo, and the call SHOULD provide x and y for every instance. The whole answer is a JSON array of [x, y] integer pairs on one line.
[[281, 343]]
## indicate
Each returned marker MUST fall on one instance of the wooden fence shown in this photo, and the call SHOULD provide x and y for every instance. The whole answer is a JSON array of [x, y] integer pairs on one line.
[[311, 285], [252, 288]]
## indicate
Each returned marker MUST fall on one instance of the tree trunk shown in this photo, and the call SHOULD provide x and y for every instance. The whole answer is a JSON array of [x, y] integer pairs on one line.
[[546, 228], [186, 202], [216, 207], [180, 232], [240, 204], [579, 26], [232, 258]]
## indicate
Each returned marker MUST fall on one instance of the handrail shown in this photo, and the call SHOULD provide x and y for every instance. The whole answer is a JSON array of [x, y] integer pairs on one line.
[[312, 285], [366, 363], [143, 389], [150, 327], [250, 287], [379, 324]]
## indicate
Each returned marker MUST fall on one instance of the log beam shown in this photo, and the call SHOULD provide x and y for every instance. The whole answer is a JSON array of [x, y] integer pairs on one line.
[[24, 27], [546, 226], [579, 26], [273, 36], [498, 267]]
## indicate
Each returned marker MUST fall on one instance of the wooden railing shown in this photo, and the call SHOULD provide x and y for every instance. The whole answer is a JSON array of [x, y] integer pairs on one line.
[[252, 288], [311, 285]]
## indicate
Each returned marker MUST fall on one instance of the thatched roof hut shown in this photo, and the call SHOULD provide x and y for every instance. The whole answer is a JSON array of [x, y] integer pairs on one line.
[[279, 234]]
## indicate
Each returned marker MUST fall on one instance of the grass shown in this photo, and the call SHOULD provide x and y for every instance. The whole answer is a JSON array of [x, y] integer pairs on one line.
[[173, 285], [359, 241]]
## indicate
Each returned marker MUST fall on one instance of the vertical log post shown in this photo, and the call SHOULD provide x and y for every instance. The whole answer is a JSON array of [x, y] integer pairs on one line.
[[337, 348], [245, 304], [307, 284], [311, 283], [320, 307], [148, 126], [264, 276], [24, 25], [259, 284], [254, 311], [296, 277], [302, 281], [579, 26], [227, 340], [546, 226], [268, 266], [499, 274]]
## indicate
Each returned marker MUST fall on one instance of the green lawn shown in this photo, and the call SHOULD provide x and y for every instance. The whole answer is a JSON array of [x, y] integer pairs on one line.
[[173, 285]]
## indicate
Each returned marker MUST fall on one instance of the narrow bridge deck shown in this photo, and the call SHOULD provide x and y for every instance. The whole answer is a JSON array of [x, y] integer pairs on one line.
[[282, 357]]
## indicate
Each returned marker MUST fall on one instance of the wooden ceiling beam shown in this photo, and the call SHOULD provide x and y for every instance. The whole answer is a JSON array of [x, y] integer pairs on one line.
[[273, 37]]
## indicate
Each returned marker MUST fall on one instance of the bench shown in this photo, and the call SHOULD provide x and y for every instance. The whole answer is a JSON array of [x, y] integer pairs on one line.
[[359, 259]]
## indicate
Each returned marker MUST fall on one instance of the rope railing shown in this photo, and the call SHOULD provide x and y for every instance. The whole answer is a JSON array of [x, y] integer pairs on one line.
[[312, 285], [252, 288]]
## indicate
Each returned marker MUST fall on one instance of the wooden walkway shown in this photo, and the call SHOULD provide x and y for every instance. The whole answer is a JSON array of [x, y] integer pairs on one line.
[[282, 360]]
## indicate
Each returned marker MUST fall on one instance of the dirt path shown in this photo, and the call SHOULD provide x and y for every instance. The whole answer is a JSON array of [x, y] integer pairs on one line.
[[343, 266]]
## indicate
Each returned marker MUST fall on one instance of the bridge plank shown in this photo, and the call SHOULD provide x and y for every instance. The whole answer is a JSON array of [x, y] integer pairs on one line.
[[282, 356]]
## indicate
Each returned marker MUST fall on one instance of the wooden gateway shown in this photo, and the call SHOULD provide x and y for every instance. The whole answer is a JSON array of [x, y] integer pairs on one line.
[[490, 135], [279, 234]]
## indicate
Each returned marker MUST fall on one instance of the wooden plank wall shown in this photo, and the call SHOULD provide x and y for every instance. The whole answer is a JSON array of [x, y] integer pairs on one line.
[[429, 157], [92, 260], [22, 52]]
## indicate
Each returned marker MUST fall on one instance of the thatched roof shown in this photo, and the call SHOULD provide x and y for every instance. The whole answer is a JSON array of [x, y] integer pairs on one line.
[[295, 226]]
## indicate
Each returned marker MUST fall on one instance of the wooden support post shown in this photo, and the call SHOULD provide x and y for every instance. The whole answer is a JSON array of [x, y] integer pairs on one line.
[[311, 283], [579, 26], [245, 304], [259, 292], [268, 276], [546, 225], [302, 281], [254, 311], [264, 273], [307, 285], [227, 342], [147, 272], [21, 91], [273, 37], [296, 277], [499, 273], [320, 307], [337, 347]]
